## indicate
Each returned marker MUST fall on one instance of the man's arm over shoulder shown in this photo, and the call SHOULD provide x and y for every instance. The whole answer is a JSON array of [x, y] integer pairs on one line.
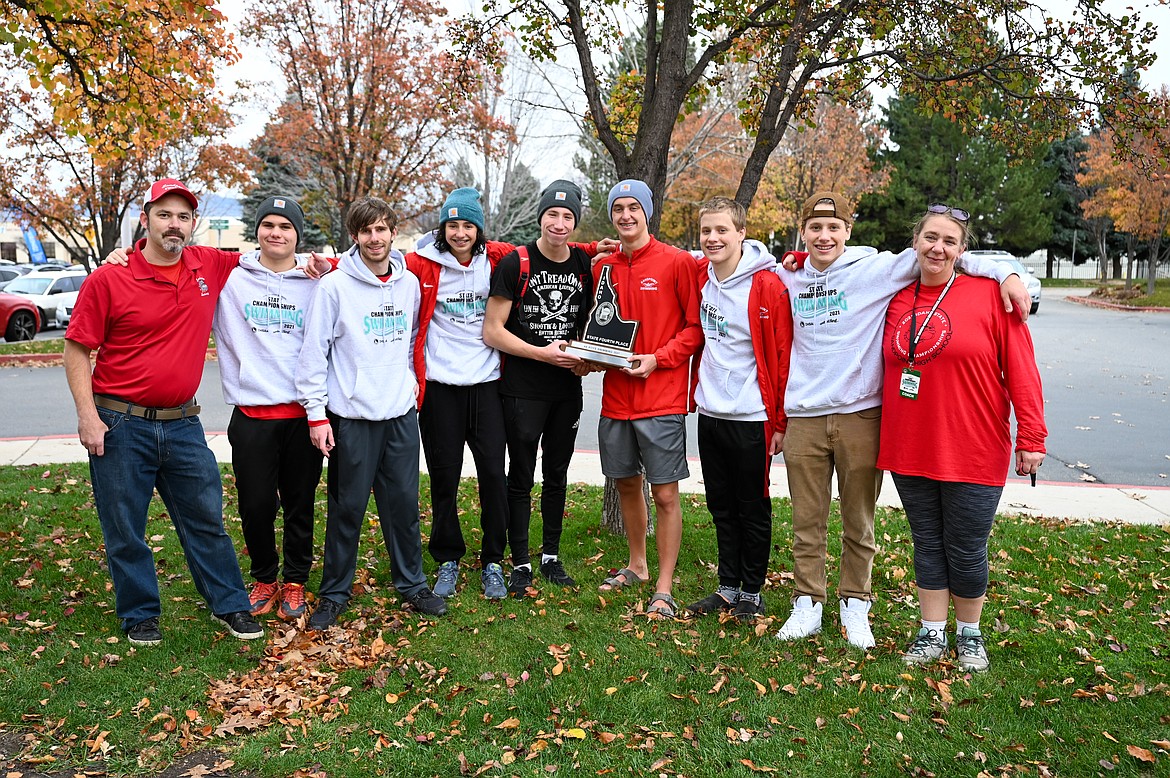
[[1012, 292]]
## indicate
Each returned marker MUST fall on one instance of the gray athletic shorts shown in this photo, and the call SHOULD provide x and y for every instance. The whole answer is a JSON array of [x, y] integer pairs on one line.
[[659, 443]]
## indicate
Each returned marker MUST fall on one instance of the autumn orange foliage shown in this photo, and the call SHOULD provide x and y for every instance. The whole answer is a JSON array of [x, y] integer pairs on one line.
[[373, 99]]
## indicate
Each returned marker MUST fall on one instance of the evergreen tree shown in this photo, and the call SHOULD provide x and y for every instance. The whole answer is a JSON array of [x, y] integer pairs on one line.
[[514, 220], [931, 160], [279, 177]]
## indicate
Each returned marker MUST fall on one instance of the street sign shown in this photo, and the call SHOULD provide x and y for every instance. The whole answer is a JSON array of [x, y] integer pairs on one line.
[[218, 224]]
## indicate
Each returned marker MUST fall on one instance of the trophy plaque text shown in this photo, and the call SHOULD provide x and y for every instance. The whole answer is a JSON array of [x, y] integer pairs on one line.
[[608, 338]]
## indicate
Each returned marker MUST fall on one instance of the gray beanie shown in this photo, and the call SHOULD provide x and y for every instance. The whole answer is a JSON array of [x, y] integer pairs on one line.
[[286, 207], [632, 187], [560, 194]]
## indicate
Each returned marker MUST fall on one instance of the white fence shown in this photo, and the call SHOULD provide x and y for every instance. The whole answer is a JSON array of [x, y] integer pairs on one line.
[[1088, 270]]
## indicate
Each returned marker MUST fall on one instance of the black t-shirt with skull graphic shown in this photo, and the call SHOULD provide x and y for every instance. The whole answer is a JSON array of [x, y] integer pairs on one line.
[[555, 307]]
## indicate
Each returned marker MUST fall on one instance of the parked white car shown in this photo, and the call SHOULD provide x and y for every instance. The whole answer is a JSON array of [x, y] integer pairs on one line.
[[44, 287], [1027, 274], [65, 305]]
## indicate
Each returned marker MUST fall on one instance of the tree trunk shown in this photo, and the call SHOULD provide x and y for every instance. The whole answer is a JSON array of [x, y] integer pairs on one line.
[[611, 508], [1152, 265]]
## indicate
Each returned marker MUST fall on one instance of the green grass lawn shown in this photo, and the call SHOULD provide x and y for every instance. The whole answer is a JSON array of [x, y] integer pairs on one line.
[[50, 346], [576, 682], [1160, 297], [1067, 283]]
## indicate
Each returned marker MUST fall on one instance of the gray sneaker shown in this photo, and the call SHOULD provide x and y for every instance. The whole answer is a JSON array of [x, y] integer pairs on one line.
[[493, 582], [928, 646], [448, 578], [970, 650]]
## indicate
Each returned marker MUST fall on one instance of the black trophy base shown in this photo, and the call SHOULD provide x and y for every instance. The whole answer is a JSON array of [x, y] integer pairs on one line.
[[600, 354]]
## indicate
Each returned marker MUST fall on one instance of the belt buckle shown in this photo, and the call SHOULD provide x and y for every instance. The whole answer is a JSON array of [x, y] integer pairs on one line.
[[150, 414]]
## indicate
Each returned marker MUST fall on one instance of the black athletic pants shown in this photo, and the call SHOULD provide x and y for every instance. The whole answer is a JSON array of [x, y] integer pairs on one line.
[[551, 425], [276, 467], [450, 417], [735, 459]]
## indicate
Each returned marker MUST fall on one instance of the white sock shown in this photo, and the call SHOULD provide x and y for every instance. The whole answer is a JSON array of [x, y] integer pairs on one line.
[[546, 558], [938, 627], [729, 593], [959, 625], [525, 566]]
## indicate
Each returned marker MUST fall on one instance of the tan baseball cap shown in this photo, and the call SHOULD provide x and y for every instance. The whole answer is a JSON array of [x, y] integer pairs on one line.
[[830, 205]]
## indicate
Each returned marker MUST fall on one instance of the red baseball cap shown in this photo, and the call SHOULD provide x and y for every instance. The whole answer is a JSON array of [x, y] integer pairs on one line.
[[166, 186]]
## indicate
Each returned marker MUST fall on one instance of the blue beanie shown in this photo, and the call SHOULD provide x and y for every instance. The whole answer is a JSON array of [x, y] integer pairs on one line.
[[463, 203], [636, 189]]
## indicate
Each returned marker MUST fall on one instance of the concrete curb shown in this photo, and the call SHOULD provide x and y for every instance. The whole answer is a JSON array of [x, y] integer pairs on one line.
[[1091, 303]]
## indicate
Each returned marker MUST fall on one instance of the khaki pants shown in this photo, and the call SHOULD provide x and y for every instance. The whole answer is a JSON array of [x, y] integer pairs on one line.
[[813, 448]]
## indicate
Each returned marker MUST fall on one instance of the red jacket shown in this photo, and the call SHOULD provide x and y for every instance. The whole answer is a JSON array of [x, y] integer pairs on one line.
[[656, 287]]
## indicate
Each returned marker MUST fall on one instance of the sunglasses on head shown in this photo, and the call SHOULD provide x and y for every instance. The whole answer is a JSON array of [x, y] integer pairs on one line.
[[955, 213]]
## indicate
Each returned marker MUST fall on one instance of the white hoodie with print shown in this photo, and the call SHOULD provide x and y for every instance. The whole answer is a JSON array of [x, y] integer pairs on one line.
[[357, 358], [729, 383], [259, 328], [455, 351]]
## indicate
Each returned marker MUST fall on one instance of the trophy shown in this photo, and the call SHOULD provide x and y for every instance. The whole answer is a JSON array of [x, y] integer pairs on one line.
[[608, 338]]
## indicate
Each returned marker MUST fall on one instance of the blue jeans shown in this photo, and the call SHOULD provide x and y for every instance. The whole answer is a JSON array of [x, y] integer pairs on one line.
[[172, 456]]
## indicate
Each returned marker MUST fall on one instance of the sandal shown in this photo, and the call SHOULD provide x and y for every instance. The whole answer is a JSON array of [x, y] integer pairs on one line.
[[622, 579], [662, 605]]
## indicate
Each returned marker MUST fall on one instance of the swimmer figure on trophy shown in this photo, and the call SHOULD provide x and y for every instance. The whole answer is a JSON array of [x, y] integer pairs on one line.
[[608, 339]]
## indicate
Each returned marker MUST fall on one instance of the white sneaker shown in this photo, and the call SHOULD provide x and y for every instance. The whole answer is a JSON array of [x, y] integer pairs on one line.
[[855, 620], [805, 620]]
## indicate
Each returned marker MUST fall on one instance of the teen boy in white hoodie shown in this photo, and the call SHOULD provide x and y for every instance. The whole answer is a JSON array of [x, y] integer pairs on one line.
[[743, 369], [834, 404], [356, 377], [259, 329], [462, 402]]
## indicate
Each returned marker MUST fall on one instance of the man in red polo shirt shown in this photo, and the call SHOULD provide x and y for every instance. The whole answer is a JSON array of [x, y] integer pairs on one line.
[[149, 321]]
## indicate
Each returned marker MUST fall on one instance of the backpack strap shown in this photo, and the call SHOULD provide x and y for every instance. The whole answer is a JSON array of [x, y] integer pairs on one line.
[[522, 279]]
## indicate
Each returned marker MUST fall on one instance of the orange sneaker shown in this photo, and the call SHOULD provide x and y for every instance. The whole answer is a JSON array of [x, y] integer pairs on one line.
[[264, 597], [292, 601]]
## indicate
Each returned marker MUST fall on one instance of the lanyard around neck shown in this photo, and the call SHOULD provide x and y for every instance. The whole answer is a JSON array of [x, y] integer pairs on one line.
[[916, 337]]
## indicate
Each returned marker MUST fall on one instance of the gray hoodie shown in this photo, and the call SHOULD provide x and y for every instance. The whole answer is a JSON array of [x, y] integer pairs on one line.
[[729, 385], [357, 358], [838, 317], [455, 351], [259, 328]]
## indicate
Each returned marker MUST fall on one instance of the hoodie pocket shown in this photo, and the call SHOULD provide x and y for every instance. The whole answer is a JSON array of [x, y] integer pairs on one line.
[[264, 381], [832, 379], [376, 386]]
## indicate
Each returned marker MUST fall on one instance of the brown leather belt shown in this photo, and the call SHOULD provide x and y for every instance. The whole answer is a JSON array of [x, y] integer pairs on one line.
[[189, 408]]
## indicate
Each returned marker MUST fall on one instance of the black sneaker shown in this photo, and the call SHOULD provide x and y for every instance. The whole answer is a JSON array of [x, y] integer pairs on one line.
[[326, 613], [519, 581], [428, 603], [747, 608], [554, 572], [145, 633], [241, 624], [712, 603]]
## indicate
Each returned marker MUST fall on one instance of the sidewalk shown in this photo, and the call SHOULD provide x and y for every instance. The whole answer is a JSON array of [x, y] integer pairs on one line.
[[1088, 502]]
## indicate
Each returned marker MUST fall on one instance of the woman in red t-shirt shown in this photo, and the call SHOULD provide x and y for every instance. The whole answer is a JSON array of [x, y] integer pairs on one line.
[[955, 365]]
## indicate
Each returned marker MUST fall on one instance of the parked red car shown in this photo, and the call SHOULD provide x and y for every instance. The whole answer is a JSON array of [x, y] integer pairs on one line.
[[19, 317]]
